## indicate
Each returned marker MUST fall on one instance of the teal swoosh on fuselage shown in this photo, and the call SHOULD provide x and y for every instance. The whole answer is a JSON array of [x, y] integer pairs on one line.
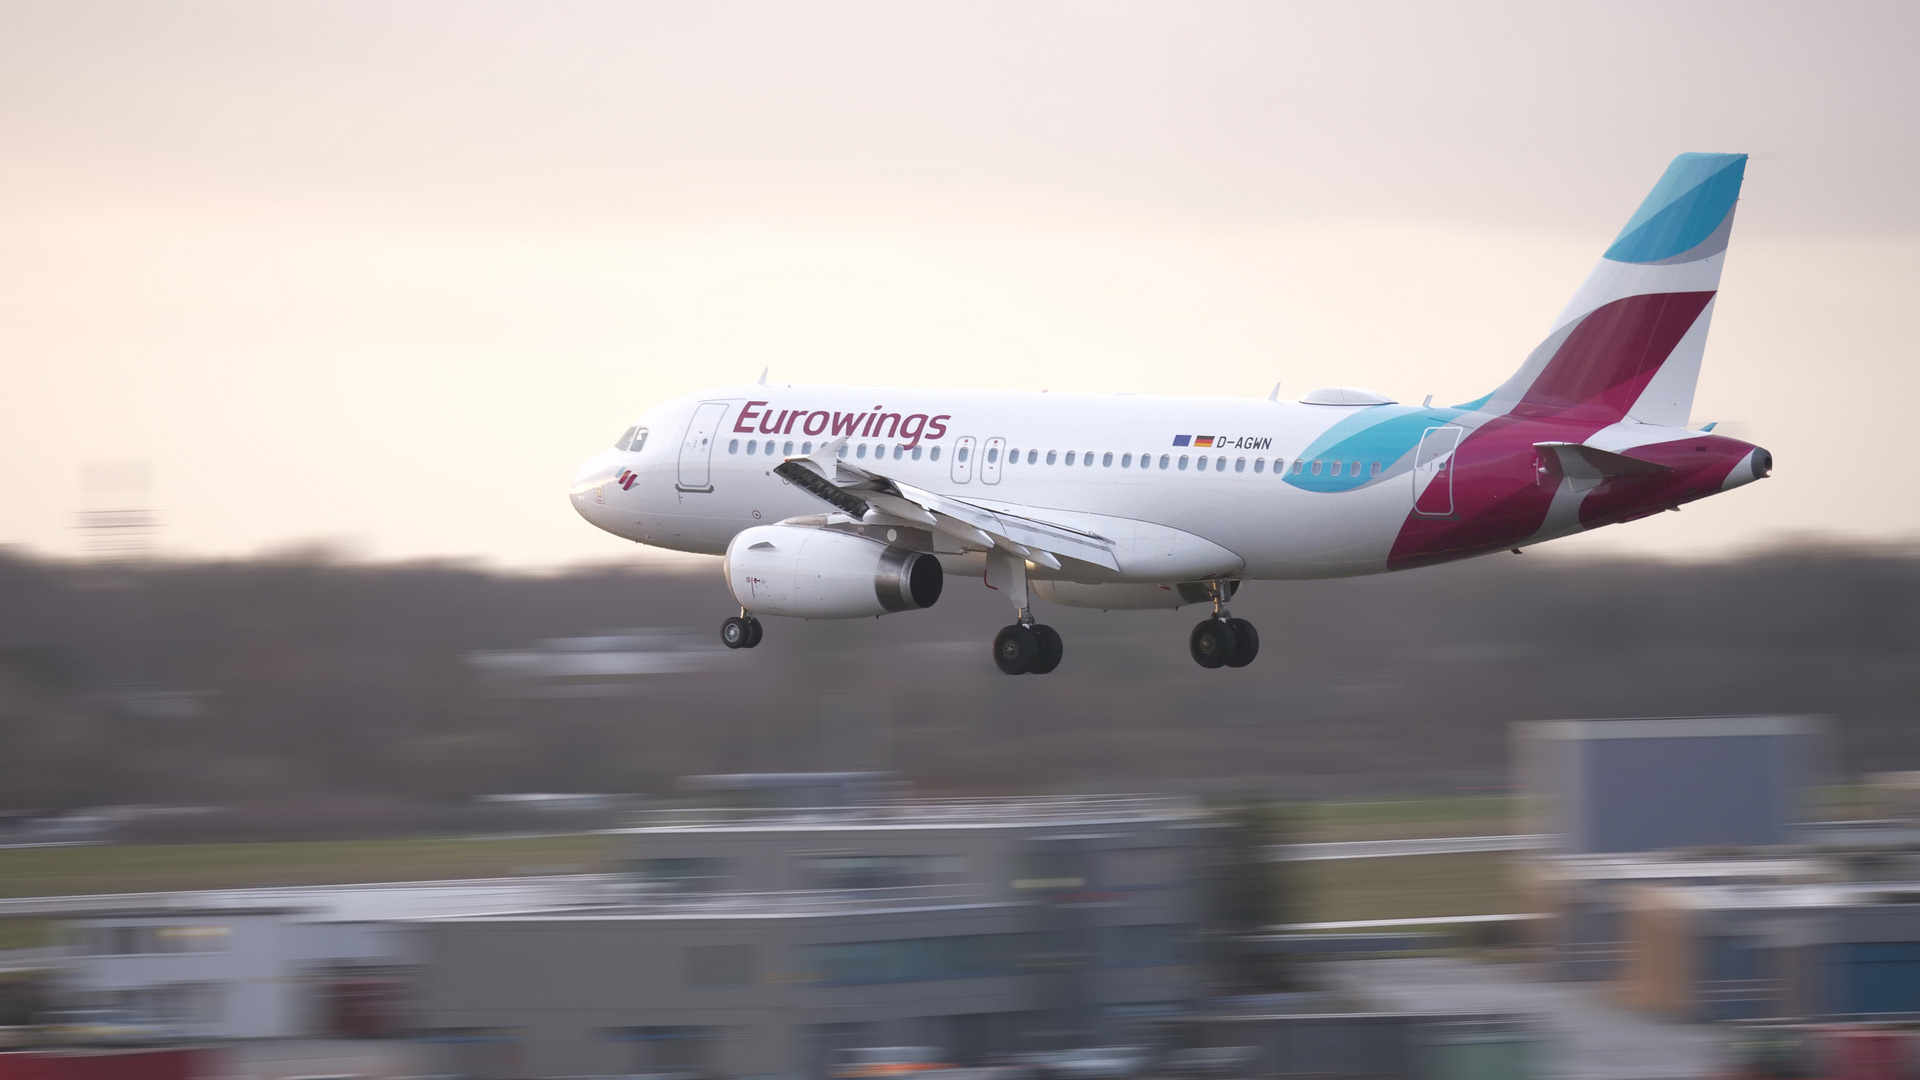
[[1387, 434]]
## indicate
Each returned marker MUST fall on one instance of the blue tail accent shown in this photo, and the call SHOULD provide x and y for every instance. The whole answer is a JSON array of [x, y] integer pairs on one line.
[[1683, 209]]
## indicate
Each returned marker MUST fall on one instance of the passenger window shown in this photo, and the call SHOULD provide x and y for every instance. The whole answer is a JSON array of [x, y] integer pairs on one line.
[[964, 451], [1240, 465], [625, 438], [1202, 463], [1333, 469], [1087, 459], [993, 455], [1376, 468], [1297, 466], [933, 454], [1183, 461], [1259, 464], [753, 446], [1013, 457], [862, 452], [843, 450], [879, 452], [1164, 459], [806, 448], [1069, 457], [1316, 468], [1050, 456], [787, 449], [897, 451], [1126, 461], [916, 453], [1220, 463], [1033, 456], [733, 446]]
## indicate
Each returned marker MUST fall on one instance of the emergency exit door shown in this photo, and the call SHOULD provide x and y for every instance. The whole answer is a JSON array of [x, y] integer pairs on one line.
[[1433, 472]]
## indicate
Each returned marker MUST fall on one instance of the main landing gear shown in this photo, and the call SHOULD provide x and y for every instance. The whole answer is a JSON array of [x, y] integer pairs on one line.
[[1026, 647], [740, 632], [1223, 641]]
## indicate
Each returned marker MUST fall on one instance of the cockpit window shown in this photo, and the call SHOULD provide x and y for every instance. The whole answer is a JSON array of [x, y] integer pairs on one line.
[[625, 438], [633, 440]]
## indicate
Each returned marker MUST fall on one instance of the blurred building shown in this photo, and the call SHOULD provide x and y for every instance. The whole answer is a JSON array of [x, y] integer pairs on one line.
[[1614, 786], [226, 973], [268, 963], [1837, 950], [1686, 867], [1584, 900], [758, 941], [1680, 800]]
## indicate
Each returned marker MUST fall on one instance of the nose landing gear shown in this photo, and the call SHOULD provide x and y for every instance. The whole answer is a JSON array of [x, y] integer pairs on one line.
[[1223, 641], [740, 632]]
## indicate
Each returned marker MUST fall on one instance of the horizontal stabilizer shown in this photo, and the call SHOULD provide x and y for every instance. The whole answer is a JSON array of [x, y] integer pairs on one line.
[[1589, 466]]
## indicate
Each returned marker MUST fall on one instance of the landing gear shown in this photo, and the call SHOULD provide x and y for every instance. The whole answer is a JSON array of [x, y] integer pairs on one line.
[[1246, 642], [1223, 641], [1026, 647], [740, 632], [1051, 650], [1016, 649]]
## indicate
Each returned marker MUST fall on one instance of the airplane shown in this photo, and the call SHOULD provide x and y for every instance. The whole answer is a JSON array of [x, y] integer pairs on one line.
[[841, 502]]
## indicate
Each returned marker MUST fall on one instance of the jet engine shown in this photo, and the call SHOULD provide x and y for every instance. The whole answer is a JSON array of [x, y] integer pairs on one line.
[[816, 573]]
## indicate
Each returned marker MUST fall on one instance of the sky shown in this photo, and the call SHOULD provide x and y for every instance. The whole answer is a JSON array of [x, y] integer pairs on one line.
[[380, 276]]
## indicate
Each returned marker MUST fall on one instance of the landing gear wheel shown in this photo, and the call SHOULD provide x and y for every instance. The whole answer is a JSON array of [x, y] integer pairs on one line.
[[1051, 650], [1246, 643], [754, 625], [1211, 643], [737, 633], [1016, 649]]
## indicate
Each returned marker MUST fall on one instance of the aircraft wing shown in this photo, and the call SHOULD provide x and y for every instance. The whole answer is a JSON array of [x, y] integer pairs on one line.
[[875, 499]]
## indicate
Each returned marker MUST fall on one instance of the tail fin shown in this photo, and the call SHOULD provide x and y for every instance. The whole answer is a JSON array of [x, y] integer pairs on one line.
[[1629, 343]]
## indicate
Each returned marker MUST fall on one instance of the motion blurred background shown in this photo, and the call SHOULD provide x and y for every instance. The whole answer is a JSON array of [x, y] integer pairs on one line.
[[309, 311]]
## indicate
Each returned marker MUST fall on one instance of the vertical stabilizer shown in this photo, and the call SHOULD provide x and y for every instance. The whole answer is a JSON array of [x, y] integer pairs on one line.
[[1629, 343]]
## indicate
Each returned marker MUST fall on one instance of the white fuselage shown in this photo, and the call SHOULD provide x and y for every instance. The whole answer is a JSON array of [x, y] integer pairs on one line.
[[1221, 508]]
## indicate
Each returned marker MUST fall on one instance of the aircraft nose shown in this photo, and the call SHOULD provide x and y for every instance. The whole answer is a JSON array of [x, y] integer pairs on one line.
[[589, 483]]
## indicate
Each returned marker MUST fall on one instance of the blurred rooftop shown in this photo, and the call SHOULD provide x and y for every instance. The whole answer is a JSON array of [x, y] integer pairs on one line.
[[1013, 812], [757, 905]]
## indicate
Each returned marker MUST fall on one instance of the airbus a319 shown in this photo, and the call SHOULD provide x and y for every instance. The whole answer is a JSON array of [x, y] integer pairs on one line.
[[839, 502]]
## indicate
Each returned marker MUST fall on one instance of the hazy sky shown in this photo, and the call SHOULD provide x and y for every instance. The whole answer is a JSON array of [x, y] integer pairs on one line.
[[385, 274]]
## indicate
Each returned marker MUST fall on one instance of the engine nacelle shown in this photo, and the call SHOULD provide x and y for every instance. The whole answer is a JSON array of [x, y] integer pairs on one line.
[[1126, 597], [816, 573]]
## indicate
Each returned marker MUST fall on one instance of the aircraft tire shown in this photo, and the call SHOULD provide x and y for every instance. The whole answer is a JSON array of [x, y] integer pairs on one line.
[[1211, 643], [1016, 649], [1051, 650], [736, 633], [1246, 643], [754, 625]]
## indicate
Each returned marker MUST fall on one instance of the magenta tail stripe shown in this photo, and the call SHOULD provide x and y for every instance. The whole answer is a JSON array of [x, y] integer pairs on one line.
[[1616, 346]]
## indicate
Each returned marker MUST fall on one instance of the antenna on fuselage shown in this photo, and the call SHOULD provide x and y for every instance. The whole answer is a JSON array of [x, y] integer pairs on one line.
[[1427, 404], [1275, 396], [763, 375]]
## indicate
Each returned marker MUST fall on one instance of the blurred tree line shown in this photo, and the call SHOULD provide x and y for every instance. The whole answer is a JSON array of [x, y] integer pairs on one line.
[[304, 678]]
